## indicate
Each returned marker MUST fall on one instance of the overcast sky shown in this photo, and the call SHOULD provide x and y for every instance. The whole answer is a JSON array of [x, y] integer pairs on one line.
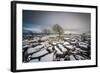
[[71, 22]]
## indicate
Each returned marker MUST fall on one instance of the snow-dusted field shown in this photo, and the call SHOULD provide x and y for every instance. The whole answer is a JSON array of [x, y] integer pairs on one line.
[[44, 49]]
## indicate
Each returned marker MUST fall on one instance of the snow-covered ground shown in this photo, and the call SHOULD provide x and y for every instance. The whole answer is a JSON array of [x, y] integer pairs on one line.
[[63, 49], [48, 57], [43, 49], [33, 49], [40, 53]]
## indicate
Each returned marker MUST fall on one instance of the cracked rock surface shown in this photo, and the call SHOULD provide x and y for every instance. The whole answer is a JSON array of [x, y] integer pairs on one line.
[[64, 50]]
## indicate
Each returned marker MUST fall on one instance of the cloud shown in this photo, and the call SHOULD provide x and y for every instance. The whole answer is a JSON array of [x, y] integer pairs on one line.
[[69, 21]]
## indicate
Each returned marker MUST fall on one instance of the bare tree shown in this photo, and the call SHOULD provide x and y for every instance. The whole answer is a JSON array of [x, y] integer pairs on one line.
[[83, 37], [58, 29]]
